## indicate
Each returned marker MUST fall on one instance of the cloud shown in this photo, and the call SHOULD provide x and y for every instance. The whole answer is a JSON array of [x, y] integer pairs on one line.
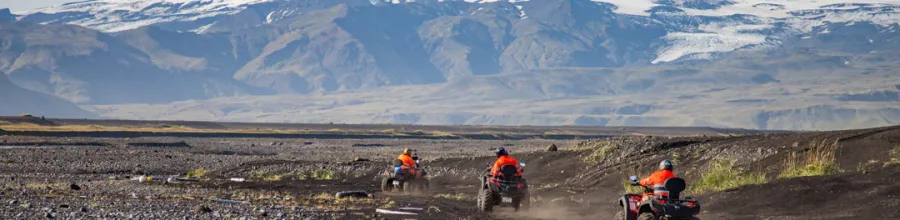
[[24, 5]]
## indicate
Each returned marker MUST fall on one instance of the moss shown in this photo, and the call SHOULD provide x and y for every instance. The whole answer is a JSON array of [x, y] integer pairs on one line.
[[722, 175]]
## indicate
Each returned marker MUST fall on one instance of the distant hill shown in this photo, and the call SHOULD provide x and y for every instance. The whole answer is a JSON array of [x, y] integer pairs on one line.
[[18, 101]]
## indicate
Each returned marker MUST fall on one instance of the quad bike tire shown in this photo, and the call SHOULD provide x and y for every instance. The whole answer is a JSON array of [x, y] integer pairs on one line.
[[386, 185], [523, 203], [485, 200], [411, 187], [646, 216]]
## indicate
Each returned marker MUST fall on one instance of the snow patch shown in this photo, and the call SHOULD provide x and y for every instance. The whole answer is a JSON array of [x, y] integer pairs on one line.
[[522, 14], [715, 38], [203, 28], [120, 15]]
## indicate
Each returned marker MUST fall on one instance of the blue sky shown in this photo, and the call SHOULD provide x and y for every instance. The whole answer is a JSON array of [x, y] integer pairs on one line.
[[21, 5]]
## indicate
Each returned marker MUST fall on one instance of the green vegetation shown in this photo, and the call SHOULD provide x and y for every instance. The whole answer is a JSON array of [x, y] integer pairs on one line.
[[629, 189], [270, 177], [722, 175], [323, 174], [895, 156], [600, 149], [548, 186], [817, 161], [197, 173], [457, 196]]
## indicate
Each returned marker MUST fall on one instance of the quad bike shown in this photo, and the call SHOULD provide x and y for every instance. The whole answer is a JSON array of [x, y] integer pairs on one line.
[[504, 189], [658, 204], [401, 179]]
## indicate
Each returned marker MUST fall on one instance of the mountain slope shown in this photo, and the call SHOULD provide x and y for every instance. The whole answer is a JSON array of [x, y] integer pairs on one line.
[[85, 66], [18, 101]]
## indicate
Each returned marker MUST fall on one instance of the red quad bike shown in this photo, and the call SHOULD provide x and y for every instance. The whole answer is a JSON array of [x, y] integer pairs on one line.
[[660, 204], [401, 179], [504, 189]]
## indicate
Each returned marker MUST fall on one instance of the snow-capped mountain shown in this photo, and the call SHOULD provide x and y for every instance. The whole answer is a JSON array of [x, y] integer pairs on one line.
[[696, 29], [119, 15], [591, 62]]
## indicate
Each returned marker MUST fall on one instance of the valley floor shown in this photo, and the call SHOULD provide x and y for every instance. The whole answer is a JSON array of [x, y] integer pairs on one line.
[[93, 177]]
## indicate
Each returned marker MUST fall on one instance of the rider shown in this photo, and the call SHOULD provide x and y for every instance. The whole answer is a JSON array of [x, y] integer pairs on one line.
[[408, 162], [657, 180], [503, 158]]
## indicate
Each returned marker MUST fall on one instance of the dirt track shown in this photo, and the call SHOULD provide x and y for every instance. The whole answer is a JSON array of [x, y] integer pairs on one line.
[[36, 179]]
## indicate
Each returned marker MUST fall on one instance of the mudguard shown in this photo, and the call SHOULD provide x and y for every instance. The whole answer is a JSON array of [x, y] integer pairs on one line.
[[629, 204]]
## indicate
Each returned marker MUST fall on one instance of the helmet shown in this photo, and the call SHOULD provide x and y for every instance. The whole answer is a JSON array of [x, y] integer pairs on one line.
[[666, 165], [502, 151], [407, 151]]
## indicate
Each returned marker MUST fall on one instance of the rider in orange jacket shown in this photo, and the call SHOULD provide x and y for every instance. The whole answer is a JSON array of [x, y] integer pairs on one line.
[[657, 180], [408, 162], [503, 158]]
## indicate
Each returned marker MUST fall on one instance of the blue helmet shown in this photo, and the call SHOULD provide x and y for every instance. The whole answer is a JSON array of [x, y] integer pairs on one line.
[[501, 151], [666, 165]]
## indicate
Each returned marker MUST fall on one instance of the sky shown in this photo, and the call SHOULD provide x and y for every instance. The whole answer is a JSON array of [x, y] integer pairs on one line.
[[22, 5]]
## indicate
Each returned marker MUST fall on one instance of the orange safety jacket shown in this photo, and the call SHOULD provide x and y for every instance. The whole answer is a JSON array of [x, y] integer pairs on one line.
[[505, 160], [657, 179], [408, 162]]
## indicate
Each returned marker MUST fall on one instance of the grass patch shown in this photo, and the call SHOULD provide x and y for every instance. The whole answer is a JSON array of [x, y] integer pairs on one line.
[[197, 173], [629, 189], [895, 156], [817, 161], [722, 175], [323, 174], [599, 150], [457, 196], [270, 177], [9, 161], [548, 186]]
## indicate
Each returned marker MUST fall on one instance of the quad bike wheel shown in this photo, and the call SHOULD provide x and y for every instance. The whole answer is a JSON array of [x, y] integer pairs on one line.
[[523, 203], [526, 201], [485, 200], [646, 216], [386, 185]]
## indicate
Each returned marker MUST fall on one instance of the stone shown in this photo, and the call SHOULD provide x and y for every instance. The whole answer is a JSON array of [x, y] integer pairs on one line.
[[74, 186], [552, 148], [202, 209]]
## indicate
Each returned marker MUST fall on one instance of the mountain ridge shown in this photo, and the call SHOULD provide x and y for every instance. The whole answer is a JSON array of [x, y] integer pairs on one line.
[[639, 60]]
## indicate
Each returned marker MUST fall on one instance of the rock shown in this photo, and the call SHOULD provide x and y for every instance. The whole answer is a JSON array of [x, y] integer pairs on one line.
[[49, 215], [552, 148], [26, 205], [356, 194], [65, 206], [259, 212], [13, 202], [359, 159], [84, 209], [273, 143], [202, 209]]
